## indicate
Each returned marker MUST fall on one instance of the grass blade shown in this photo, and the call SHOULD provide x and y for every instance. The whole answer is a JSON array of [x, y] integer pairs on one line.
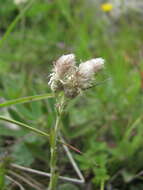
[[15, 21], [26, 99], [24, 126]]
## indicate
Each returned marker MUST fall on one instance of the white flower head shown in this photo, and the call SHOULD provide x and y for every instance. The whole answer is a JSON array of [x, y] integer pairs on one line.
[[91, 66], [88, 69], [64, 68], [18, 2], [64, 64], [71, 79]]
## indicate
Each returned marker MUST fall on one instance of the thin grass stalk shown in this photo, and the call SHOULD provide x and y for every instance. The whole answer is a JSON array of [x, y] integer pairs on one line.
[[16, 182], [14, 22], [25, 180]]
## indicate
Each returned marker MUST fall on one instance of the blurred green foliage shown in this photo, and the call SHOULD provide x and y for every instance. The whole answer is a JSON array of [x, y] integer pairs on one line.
[[106, 122]]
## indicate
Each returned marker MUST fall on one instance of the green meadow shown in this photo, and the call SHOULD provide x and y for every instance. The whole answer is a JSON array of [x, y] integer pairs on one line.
[[105, 122]]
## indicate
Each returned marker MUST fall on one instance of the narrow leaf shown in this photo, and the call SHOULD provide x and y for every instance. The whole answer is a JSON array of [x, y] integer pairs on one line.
[[24, 125], [15, 21], [35, 130], [26, 99]]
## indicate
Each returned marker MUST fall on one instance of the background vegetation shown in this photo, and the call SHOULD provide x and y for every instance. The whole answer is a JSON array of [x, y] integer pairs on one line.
[[105, 123]]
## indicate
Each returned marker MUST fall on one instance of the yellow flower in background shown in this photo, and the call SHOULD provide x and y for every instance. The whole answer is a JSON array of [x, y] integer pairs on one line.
[[106, 7]]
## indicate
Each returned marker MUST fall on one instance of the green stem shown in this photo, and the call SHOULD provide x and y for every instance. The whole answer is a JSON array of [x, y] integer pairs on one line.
[[102, 185], [54, 140], [26, 99], [53, 169]]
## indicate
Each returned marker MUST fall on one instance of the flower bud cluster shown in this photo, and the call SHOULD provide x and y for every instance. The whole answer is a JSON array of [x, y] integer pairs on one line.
[[67, 77]]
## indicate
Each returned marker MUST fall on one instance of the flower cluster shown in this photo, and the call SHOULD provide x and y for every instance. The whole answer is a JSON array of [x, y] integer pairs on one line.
[[67, 77]]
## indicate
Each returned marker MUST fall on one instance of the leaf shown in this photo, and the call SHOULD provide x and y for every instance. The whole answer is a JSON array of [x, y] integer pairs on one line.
[[10, 132], [24, 126], [22, 155], [128, 177], [26, 99]]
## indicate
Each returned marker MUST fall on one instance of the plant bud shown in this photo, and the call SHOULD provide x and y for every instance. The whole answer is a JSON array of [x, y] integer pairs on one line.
[[91, 66], [87, 70], [64, 64]]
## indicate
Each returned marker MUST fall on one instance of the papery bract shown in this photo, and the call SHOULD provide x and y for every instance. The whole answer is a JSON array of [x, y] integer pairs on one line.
[[71, 79]]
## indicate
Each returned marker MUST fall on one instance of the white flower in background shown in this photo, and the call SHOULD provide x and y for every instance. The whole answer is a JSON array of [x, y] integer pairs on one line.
[[18, 2], [71, 79]]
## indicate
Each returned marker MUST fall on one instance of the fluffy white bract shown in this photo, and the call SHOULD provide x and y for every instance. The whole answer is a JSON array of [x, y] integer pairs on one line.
[[90, 67], [71, 79], [66, 59], [87, 70], [64, 65]]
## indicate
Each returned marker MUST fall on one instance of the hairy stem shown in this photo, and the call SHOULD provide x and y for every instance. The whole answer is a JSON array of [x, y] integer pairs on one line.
[[54, 136]]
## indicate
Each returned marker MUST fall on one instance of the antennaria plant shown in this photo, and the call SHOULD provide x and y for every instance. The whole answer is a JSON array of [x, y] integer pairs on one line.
[[66, 82]]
